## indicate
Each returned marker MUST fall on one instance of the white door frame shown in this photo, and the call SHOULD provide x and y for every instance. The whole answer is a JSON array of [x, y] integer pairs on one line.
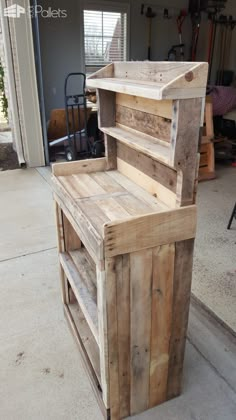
[[24, 101]]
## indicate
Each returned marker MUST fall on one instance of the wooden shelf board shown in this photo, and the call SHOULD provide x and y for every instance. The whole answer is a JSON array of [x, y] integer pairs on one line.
[[83, 296], [86, 337], [141, 142], [86, 269], [145, 89], [89, 350]]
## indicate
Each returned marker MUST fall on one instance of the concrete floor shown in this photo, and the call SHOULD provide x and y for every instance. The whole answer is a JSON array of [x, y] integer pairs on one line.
[[41, 372], [214, 274]]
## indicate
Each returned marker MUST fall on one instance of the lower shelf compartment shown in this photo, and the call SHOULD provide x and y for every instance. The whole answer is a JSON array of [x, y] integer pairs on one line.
[[81, 277], [88, 349]]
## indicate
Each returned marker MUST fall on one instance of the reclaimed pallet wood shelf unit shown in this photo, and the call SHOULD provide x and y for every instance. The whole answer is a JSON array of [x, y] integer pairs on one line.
[[126, 227]]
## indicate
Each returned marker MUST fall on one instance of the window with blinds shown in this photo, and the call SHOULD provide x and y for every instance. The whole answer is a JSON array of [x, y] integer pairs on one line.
[[105, 38]]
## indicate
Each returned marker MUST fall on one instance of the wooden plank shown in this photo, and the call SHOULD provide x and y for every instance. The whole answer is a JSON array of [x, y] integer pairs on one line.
[[86, 337], [123, 325], [69, 315], [107, 71], [107, 183], [103, 335], [184, 146], [61, 248], [112, 209], [94, 214], [163, 108], [106, 108], [86, 270], [140, 329], [209, 118], [86, 303], [153, 125], [149, 231], [162, 303], [204, 159], [150, 167], [164, 73], [146, 89], [141, 142], [86, 232], [81, 186], [133, 205], [112, 331], [110, 151], [82, 166], [137, 191], [72, 241], [156, 189], [181, 301]]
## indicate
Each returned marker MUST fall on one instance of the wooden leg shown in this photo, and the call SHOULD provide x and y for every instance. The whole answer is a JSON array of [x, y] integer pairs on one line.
[[61, 248], [181, 302]]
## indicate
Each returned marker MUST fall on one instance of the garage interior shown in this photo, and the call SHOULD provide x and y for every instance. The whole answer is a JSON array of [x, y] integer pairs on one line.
[[209, 35], [41, 359]]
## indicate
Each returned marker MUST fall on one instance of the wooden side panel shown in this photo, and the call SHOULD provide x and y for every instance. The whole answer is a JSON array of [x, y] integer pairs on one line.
[[111, 152], [162, 307], [112, 331], [141, 285], [102, 332], [181, 301], [72, 241], [106, 108], [150, 124], [160, 108], [61, 248], [123, 318], [184, 146]]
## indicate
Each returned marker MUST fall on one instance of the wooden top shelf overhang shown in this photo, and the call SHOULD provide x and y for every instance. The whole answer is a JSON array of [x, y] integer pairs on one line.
[[153, 80]]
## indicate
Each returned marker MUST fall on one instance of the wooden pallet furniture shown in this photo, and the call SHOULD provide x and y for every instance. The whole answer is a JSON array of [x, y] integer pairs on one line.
[[207, 151], [126, 226]]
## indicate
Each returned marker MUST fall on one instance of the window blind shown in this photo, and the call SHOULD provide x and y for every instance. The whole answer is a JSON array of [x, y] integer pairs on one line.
[[105, 37]]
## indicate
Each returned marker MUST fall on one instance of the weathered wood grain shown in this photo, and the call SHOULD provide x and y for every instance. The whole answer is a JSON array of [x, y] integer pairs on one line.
[[184, 146], [123, 318], [103, 335], [161, 108], [106, 108], [77, 167], [111, 152], [112, 331], [149, 231], [141, 285], [162, 308], [181, 301], [149, 166], [153, 125]]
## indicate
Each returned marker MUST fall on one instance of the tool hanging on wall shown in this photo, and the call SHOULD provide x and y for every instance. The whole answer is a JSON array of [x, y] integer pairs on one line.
[[180, 21], [196, 7], [196, 21], [150, 14], [227, 25]]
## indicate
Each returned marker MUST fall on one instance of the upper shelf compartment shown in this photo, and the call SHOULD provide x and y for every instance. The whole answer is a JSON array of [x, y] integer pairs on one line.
[[153, 80]]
